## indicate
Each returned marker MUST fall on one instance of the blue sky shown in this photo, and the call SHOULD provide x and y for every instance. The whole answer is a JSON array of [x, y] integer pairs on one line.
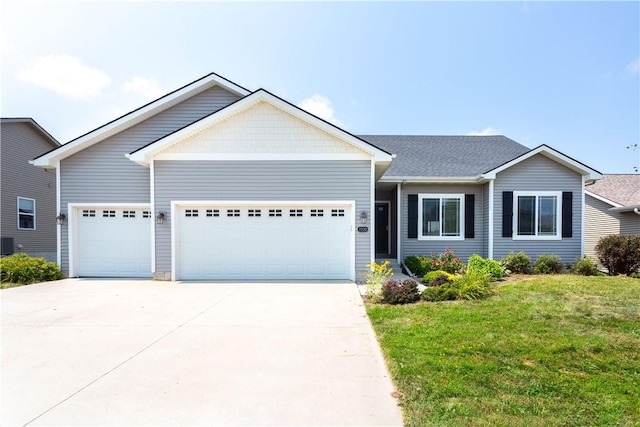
[[565, 74]]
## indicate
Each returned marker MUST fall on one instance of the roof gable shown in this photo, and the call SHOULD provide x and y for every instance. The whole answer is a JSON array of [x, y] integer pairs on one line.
[[200, 135], [128, 120], [29, 121], [550, 153], [618, 190]]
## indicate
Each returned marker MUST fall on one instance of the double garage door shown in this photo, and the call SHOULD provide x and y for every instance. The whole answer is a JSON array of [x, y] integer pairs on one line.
[[221, 242], [263, 242]]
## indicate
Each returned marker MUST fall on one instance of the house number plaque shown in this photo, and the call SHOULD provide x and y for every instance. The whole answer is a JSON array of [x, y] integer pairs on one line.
[[363, 229]]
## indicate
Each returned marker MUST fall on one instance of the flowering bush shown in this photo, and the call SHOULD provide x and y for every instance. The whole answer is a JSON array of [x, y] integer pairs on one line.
[[446, 261], [376, 278]]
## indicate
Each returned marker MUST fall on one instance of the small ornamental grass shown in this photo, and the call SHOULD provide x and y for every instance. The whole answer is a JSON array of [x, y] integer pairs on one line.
[[376, 278], [21, 269], [491, 267]]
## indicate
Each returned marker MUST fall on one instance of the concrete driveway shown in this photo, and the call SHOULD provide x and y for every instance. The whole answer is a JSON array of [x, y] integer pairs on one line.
[[127, 352]]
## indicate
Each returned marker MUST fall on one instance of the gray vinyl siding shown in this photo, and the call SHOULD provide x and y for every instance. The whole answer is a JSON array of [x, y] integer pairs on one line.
[[538, 173], [20, 142], [260, 180], [463, 248], [599, 222], [102, 174], [629, 223], [485, 220]]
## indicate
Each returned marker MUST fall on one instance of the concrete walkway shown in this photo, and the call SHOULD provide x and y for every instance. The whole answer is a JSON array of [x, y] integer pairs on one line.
[[115, 352]]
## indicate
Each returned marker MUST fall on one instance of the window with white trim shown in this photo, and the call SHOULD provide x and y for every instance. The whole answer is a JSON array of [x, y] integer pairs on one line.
[[441, 216], [26, 214], [537, 215]]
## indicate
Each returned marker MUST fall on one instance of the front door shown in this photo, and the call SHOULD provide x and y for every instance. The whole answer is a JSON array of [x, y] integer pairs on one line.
[[382, 228]]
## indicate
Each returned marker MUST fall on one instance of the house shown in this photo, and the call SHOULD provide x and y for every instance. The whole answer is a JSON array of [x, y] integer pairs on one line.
[[28, 195], [213, 181], [612, 206]]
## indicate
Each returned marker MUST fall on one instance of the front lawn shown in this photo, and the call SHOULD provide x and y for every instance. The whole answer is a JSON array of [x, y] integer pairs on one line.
[[550, 350]]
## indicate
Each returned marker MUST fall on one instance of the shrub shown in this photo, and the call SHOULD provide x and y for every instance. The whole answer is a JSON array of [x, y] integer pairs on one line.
[[446, 261], [438, 277], [21, 268], [585, 267], [519, 263], [619, 254], [376, 278], [471, 286], [420, 264], [547, 264], [396, 292], [489, 266]]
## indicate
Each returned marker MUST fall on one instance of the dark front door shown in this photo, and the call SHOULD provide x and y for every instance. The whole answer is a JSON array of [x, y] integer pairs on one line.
[[382, 228]]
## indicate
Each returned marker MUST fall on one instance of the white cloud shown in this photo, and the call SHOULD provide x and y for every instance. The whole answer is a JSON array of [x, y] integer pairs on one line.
[[632, 68], [485, 132], [66, 75], [320, 106], [147, 88]]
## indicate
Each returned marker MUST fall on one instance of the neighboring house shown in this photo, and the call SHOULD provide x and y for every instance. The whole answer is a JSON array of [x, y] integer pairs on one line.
[[612, 206], [28, 205], [213, 181]]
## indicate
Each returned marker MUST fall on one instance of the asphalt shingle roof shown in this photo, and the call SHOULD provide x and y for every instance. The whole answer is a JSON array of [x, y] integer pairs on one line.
[[623, 189], [445, 156]]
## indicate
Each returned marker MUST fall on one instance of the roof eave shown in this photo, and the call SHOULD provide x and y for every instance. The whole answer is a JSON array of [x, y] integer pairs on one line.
[[433, 179]]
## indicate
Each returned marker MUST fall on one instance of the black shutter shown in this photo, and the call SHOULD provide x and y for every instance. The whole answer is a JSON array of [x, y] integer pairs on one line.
[[567, 214], [469, 216], [412, 217], [507, 214]]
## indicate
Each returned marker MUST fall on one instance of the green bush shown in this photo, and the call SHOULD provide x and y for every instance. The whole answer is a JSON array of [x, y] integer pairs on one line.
[[21, 268], [489, 266], [396, 292], [586, 267], [471, 286], [547, 264], [446, 261], [518, 263], [620, 254], [438, 277]]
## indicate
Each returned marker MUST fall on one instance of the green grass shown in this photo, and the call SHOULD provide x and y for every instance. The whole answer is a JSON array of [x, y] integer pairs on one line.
[[555, 350]]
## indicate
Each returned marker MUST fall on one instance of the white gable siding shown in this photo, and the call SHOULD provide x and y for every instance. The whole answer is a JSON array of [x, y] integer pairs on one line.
[[539, 173], [262, 128], [102, 173]]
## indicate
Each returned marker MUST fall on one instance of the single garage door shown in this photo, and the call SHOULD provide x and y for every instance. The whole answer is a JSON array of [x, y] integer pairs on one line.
[[264, 242], [113, 242]]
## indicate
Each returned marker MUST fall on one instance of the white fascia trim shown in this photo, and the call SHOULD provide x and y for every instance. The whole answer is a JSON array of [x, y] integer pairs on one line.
[[603, 199], [432, 179], [58, 226], [491, 219], [143, 156], [72, 225], [124, 122], [258, 156], [175, 204], [590, 174]]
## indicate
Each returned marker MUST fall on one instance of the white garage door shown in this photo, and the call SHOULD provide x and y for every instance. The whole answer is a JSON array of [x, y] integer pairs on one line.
[[263, 242], [113, 242]]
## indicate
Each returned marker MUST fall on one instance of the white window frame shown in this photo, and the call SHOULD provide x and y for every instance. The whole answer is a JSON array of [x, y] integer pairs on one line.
[[423, 196], [537, 194], [22, 213]]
